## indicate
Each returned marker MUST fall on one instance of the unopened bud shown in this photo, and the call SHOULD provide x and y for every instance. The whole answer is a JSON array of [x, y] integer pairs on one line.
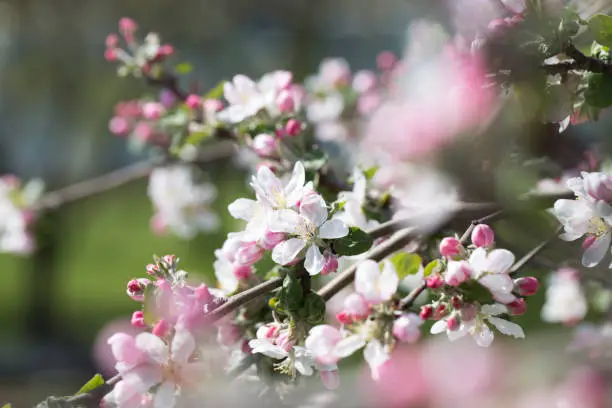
[[450, 247], [386, 60], [119, 126], [483, 236], [169, 260], [241, 271], [440, 312], [110, 54], [127, 25], [265, 145], [453, 323], [331, 263], [161, 328], [456, 302], [434, 282], [152, 110], [527, 286], [136, 288], [293, 127], [152, 269], [165, 50], [193, 101], [344, 318], [407, 328], [426, 312], [285, 102], [112, 40], [138, 319], [518, 307]]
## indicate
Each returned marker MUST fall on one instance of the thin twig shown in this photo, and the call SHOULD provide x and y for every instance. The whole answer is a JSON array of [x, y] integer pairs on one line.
[[534, 252], [407, 301], [487, 218]]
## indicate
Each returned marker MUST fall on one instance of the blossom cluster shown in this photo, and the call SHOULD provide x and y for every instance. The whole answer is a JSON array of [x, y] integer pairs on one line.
[[17, 212]]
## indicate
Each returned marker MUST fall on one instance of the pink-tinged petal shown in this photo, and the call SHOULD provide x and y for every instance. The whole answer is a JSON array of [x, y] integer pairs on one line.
[[153, 346], [507, 328], [123, 395], [454, 335], [266, 348], [333, 229], [503, 297], [375, 355], [314, 209], [295, 187], [165, 396], [348, 346], [143, 377], [268, 187], [497, 282], [286, 221], [314, 261], [597, 250], [388, 281], [243, 209], [499, 261], [286, 252], [366, 280], [438, 327], [244, 84], [483, 337], [183, 346]]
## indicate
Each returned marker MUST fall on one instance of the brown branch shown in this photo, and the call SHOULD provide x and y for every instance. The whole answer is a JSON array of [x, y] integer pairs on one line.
[[407, 301], [169, 82], [531, 254]]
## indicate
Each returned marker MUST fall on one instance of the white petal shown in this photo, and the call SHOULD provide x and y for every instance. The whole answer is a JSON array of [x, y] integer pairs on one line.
[[225, 275], [333, 229], [314, 209], [143, 377], [387, 284], [499, 261], [493, 310], [454, 335], [478, 261], [287, 251], [503, 297], [314, 261], [507, 328], [596, 251], [483, 337], [183, 346], [266, 348], [243, 208], [165, 396], [294, 189], [366, 280], [268, 187], [153, 346], [438, 327], [497, 282], [285, 221], [375, 354], [348, 346]]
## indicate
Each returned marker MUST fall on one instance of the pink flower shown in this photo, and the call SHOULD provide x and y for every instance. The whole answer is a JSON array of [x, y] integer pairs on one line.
[[138, 319], [407, 328], [450, 247], [119, 126], [152, 110], [457, 272], [355, 307], [328, 345], [285, 102]]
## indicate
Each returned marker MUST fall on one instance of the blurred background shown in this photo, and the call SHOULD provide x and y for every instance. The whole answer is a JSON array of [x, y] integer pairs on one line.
[[57, 95]]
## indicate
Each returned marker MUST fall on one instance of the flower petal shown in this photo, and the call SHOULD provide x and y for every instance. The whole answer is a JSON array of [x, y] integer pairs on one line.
[[348, 346], [388, 281], [243, 208], [314, 209], [294, 189], [593, 255], [493, 310], [333, 229], [484, 336], [507, 328], [478, 261], [183, 346], [153, 346], [287, 251], [285, 221], [165, 396], [266, 348], [438, 327], [366, 280], [499, 261], [497, 282], [314, 261]]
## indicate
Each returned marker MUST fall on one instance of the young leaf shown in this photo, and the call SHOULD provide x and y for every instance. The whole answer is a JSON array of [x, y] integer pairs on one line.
[[315, 308], [183, 68], [601, 27], [599, 92], [92, 384], [216, 92], [433, 266], [406, 264], [355, 243], [370, 172]]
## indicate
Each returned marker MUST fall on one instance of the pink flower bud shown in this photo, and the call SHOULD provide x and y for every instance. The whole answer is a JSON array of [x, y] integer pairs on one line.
[[407, 328], [285, 102], [265, 145], [143, 131], [440, 312], [203, 294], [453, 323], [152, 110], [136, 288], [152, 269], [483, 236], [434, 282], [272, 166], [193, 101], [229, 334], [249, 253], [138, 319], [271, 239], [110, 54], [127, 26], [169, 260], [331, 263], [518, 307], [213, 105], [293, 127], [450, 247], [456, 302], [330, 379], [426, 312], [165, 50], [527, 286], [386, 60], [161, 328], [344, 317], [457, 272], [119, 126], [242, 272], [112, 40], [284, 341], [364, 81]]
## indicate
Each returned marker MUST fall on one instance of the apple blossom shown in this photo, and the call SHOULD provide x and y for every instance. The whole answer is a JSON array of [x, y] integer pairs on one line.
[[374, 285], [272, 192], [565, 299], [328, 345], [407, 327], [491, 270], [483, 236]]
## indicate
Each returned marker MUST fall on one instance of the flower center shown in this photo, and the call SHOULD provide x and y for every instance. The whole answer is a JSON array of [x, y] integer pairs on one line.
[[306, 229]]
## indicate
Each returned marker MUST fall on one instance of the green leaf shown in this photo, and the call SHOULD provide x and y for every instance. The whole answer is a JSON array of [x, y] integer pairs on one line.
[[183, 68], [315, 308], [600, 26], [406, 264], [216, 92], [148, 305], [291, 296], [370, 172], [355, 243], [432, 267], [475, 292], [314, 159], [197, 137], [92, 384], [599, 92], [336, 206]]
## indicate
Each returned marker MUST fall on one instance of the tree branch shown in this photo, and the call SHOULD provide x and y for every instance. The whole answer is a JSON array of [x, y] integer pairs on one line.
[[581, 63], [534, 252]]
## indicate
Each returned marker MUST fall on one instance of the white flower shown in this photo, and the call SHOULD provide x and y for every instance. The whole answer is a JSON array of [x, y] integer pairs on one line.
[[478, 328], [565, 300], [244, 98], [376, 286], [352, 213], [181, 204], [491, 270], [16, 205], [328, 345], [376, 355], [271, 192], [308, 226]]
